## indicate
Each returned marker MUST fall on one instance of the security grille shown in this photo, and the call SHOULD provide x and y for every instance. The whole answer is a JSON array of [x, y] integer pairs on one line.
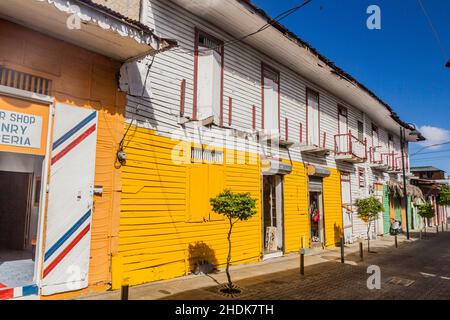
[[205, 155], [24, 81]]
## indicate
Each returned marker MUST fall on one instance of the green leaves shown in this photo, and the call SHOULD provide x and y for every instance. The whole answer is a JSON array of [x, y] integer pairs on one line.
[[368, 208], [238, 206], [426, 210], [444, 195]]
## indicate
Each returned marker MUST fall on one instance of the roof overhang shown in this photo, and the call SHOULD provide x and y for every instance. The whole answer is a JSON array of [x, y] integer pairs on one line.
[[85, 24], [241, 17]]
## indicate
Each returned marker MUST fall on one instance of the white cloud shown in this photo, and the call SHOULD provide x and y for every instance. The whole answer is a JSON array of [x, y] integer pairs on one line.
[[434, 136]]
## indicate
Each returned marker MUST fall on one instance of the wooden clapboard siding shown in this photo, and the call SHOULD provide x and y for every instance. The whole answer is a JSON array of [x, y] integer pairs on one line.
[[242, 80], [332, 208], [160, 221], [150, 174]]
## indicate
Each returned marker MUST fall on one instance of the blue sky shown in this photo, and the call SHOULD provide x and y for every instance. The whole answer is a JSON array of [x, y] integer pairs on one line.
[[402, 63]]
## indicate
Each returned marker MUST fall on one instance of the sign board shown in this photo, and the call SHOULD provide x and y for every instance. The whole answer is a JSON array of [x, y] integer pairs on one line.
[[23, 126], [20, 129]]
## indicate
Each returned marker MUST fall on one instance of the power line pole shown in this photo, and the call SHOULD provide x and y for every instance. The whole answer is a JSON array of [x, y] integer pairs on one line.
[[402, 145]]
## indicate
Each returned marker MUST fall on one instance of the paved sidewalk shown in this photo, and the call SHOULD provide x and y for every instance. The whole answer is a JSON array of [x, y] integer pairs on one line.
[[418, 269]]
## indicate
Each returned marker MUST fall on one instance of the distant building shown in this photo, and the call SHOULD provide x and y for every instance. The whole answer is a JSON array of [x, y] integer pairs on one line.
[[428, 172], [430, 179]]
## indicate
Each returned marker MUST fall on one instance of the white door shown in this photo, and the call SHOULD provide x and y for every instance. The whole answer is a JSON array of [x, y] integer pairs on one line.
[[375, 137], [270, 105], [343, 139], [209, 84], [346, 206], [313, 119], [70, 200]]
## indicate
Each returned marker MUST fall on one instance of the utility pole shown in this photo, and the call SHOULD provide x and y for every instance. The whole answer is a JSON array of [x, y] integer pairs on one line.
[[402, 145]]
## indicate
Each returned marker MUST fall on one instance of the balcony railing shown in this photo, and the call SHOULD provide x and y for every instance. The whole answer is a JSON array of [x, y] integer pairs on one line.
[[375, 155], [398, 165], [349, 148], [388, 160]]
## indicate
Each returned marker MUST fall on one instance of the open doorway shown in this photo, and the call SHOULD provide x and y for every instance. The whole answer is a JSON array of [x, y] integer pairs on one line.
[[20, 191], [316, 215], [273, 215]]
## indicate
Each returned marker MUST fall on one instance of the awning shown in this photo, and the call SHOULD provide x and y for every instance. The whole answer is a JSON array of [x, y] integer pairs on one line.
[[85, 24]]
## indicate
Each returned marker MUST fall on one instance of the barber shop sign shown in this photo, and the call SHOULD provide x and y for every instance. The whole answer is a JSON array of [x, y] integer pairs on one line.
[[20, 129]]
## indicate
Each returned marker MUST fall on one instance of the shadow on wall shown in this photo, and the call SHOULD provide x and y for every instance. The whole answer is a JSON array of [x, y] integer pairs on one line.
[[202, 258]]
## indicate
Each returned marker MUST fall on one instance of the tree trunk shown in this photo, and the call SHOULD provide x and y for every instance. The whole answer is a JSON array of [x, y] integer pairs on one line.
[[230, 283], [425, 222], [368, 237]]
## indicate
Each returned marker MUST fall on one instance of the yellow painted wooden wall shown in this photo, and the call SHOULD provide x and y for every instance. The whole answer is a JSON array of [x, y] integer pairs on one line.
[[166, 225], [86, 79], [296, 219], [332, 208]]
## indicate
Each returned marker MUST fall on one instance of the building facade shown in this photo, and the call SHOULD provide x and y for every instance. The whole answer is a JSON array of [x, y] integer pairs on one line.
[[430, 179], [150, 119], [251, 116]]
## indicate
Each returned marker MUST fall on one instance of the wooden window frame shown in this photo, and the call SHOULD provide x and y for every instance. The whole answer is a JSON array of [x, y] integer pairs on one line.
[[342, 108], [377, 130], [264, 67], [362, 131], [361, 178], [199, 32], [315, 92]]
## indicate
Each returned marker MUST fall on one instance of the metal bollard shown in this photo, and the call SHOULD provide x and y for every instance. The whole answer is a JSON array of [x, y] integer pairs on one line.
[[302, 263], [361, 251], [124, 292], [442, 226], [420, 234], [437, 229], [396, 241], [342, 251]]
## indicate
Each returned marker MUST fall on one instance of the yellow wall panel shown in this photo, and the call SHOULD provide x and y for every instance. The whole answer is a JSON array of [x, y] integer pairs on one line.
[[166, 223], [333, 209], [296, 221]]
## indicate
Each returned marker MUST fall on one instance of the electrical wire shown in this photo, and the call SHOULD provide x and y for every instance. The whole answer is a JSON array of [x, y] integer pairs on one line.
[[433, 30], [119, 159], [431, 158], [273, 21], [430, 146], [433, 152]]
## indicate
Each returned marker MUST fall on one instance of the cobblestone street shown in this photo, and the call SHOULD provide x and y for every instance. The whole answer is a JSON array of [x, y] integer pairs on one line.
[[418, 269]]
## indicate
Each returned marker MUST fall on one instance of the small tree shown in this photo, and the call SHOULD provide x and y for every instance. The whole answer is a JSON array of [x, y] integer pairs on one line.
[[444, 195], [235, 207], [368, 210], [426, 211]]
